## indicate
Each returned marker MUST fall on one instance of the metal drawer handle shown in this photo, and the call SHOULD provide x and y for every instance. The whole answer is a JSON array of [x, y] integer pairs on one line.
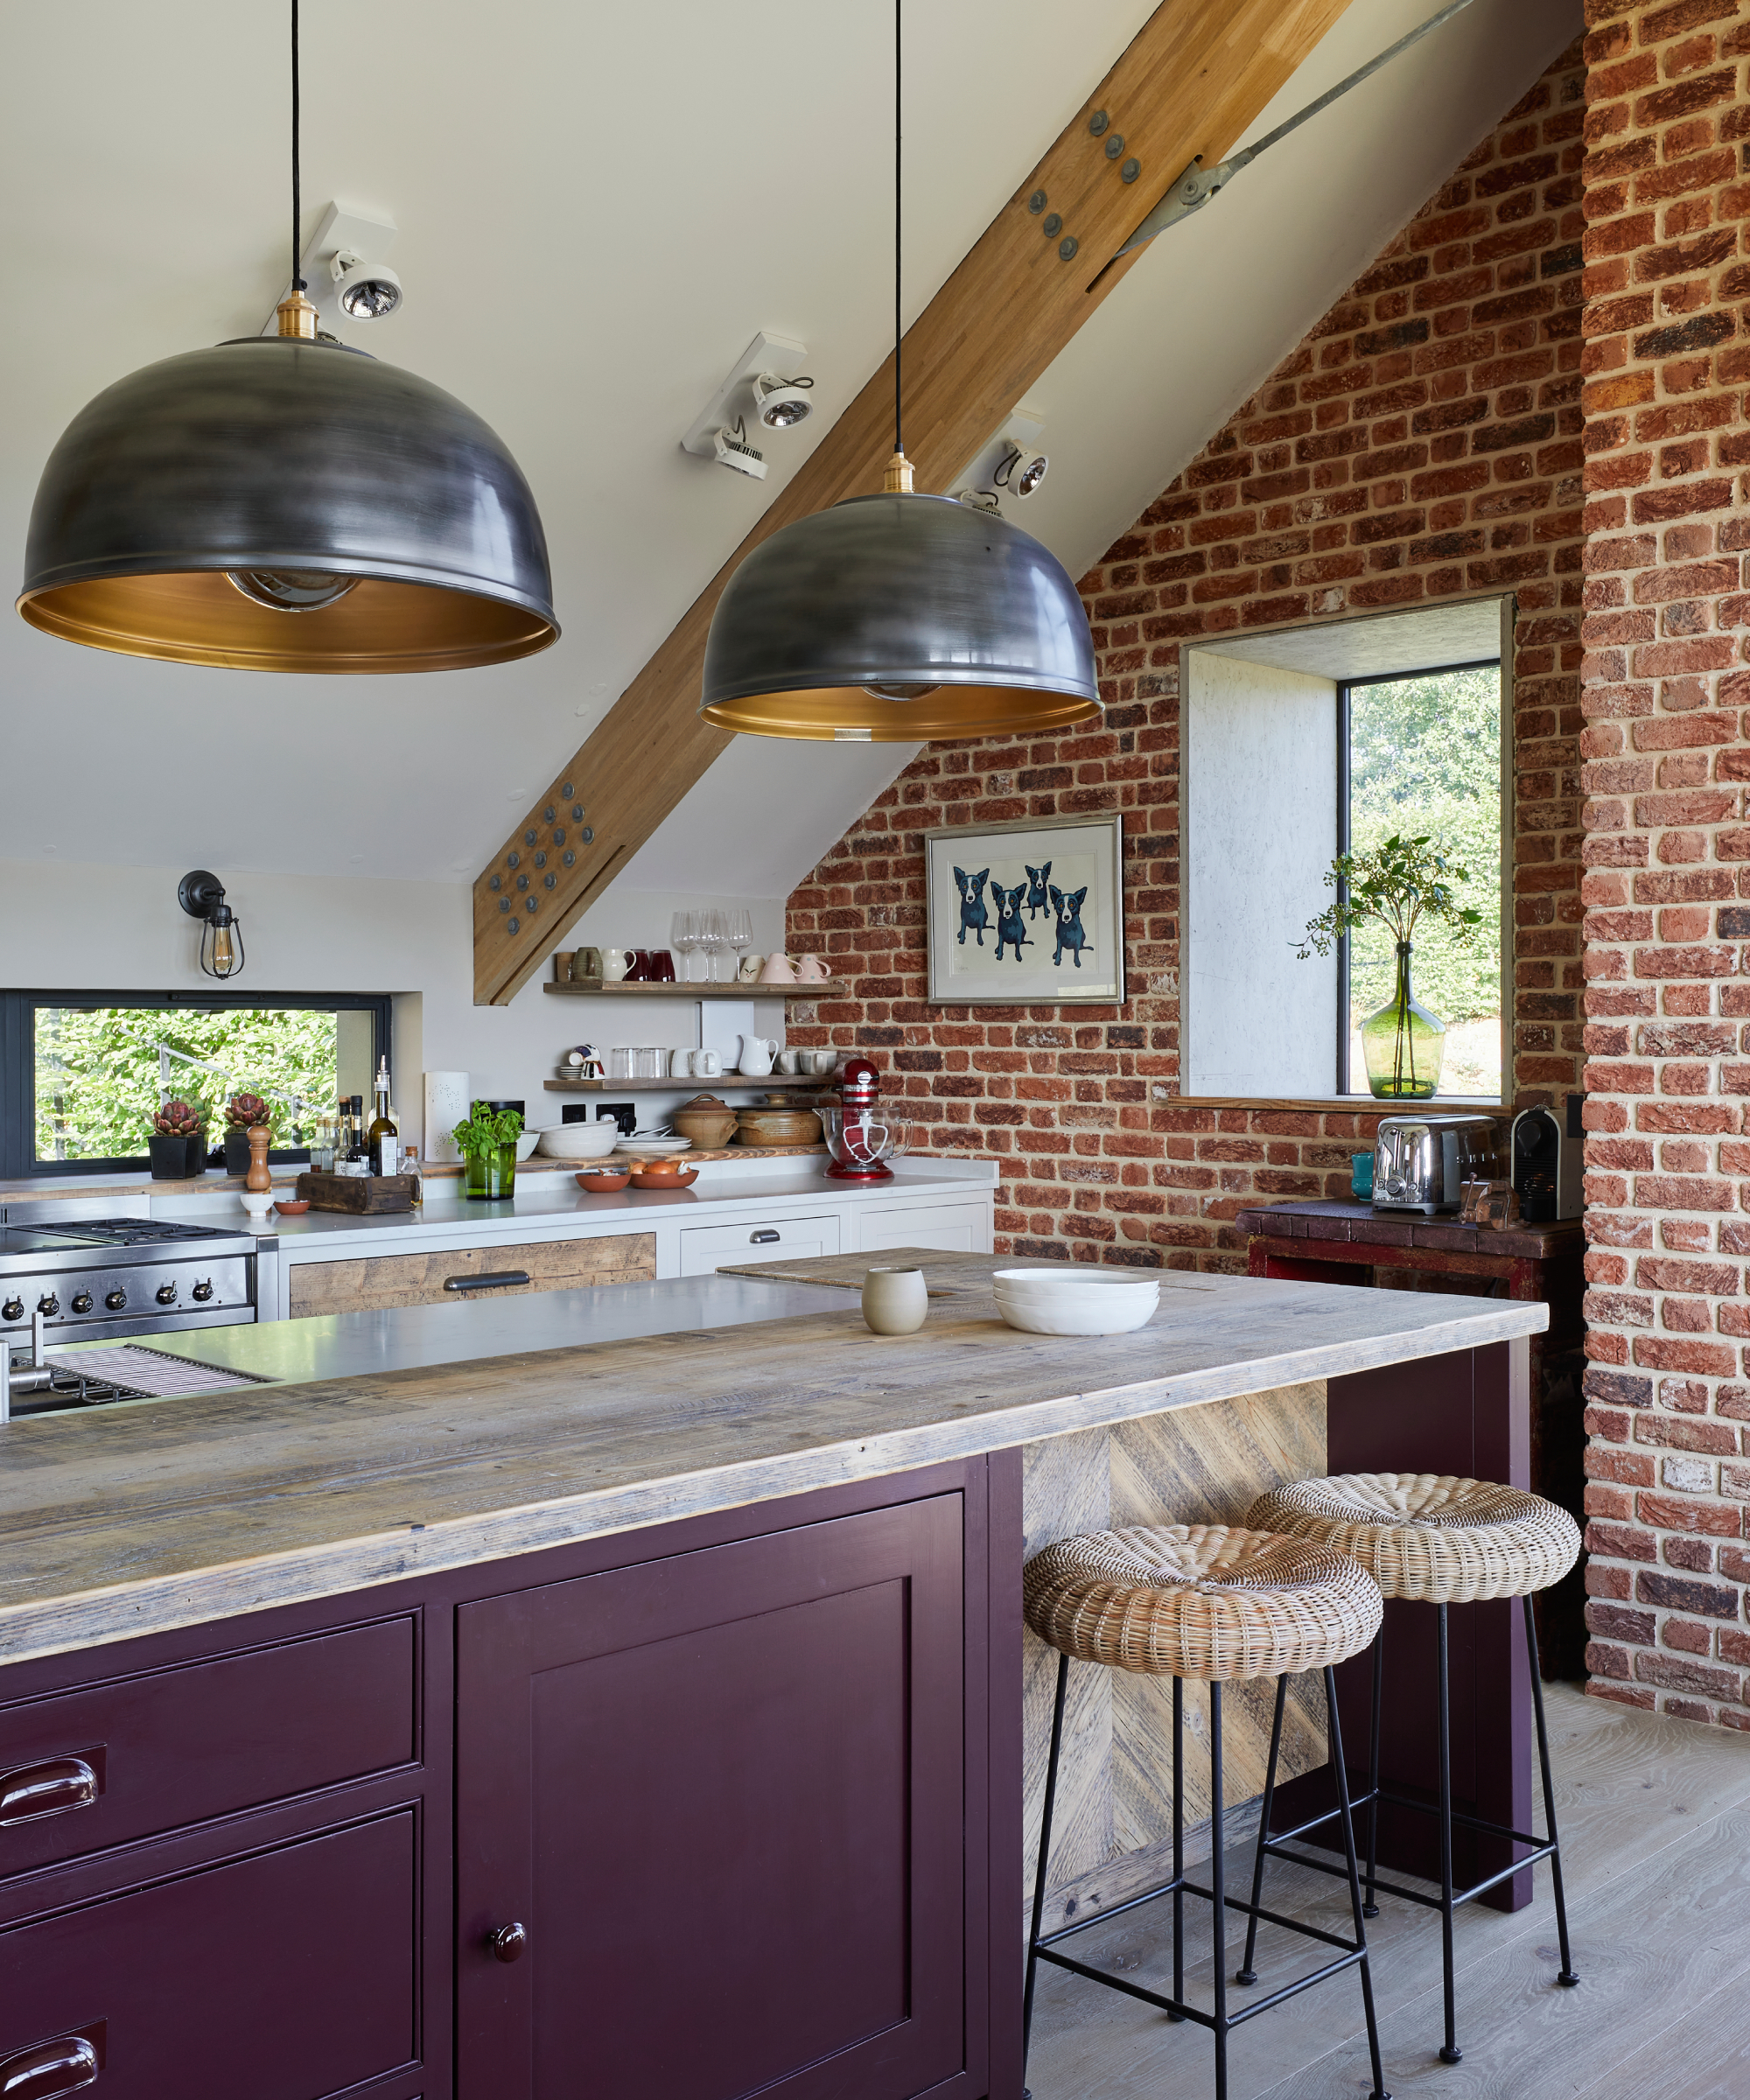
[[66, 2065], [764, 1239], [50, 1788], [500, 1279]]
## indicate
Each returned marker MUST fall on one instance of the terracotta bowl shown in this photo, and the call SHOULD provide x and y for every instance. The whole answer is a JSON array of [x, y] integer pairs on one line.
[[605, 1179], [288, 1208], [649, 1177]]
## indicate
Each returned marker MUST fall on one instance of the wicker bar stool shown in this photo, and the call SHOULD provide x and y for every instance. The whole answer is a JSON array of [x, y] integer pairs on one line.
[[1209, 1602], [1436, 1539]]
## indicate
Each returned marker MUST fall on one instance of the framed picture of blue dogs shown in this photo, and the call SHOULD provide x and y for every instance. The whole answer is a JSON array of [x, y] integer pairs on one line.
[[1027, 914]]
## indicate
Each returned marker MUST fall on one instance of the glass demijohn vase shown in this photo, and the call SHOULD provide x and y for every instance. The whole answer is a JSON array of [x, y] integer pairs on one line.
[[491, 1176], [1403, 1044]]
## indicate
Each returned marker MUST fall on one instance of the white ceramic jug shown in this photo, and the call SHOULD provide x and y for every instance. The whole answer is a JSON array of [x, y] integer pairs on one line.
[[757, 1052]]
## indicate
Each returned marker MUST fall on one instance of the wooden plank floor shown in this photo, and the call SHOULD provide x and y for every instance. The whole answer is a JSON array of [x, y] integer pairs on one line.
[[1655, 1827]]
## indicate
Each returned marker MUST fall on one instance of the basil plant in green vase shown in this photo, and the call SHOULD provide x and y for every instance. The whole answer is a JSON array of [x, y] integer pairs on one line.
[[1400, 883], [487, 1142]]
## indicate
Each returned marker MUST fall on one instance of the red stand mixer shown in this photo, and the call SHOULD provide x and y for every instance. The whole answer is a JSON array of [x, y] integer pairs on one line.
[[859, 1138]]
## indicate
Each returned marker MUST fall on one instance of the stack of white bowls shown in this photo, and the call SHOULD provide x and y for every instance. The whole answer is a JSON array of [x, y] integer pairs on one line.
[[1062, 1301]]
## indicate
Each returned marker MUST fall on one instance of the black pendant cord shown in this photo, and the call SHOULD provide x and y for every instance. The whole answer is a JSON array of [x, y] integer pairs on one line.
[[296, 171], [899, 431]]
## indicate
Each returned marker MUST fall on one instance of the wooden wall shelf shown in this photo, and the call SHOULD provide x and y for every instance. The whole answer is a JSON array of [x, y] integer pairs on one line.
[[821, 1081], [579, 988]]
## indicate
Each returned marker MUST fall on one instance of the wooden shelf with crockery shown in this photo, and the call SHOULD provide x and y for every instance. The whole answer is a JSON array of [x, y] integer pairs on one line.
[[579, 988], [821, 1081]]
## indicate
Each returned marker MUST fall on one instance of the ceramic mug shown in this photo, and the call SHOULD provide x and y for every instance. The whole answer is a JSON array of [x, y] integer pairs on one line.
[[819, 1062], [895, 1300], [586, 962], [790, 1061], [811, 970], [707, 1064], [615, 963], [750, 967], [778, 970], [681, 1064]]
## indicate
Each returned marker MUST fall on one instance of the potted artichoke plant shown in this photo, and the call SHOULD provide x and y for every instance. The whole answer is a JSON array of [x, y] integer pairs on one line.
[[487, 1142], [243, 1113], [1399, 883], [177, 1144]]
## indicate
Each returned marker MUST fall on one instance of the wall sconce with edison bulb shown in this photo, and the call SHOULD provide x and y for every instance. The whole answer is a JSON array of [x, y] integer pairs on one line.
[[202, 896]]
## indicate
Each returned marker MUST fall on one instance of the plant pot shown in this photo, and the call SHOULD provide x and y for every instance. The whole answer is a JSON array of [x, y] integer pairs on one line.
[[176, 1159], [491, 1177], [236, 1152], [1402, 1045]]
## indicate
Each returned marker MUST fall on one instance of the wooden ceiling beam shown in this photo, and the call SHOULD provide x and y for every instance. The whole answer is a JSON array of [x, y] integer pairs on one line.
[[1189, 85]]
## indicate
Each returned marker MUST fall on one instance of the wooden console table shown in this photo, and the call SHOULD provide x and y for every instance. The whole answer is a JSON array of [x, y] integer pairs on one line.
[[1354, 1244]]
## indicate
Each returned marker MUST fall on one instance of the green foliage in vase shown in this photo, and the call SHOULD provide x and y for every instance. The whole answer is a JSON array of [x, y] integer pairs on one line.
[[1402, 882], [487, 1131]]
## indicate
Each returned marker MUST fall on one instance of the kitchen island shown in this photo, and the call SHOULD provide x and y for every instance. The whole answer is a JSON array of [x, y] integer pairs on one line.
[[654, 1701]]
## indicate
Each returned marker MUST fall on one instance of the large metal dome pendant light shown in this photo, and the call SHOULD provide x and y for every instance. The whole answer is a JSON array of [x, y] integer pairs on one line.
[[898, 617], [284, 503]]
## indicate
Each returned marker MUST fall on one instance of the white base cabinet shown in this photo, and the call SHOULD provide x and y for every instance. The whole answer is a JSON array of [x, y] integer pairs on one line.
[[706, 1248]]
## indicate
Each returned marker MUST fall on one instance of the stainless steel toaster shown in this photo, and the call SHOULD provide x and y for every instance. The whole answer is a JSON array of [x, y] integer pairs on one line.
[[1419, 1162]]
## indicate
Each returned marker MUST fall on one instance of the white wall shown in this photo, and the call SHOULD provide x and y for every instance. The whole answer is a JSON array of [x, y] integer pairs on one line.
[[1259, 801], [80, 927]]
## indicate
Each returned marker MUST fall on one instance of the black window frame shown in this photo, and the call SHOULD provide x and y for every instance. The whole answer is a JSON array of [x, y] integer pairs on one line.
[[17, 1061], [1345, 687]]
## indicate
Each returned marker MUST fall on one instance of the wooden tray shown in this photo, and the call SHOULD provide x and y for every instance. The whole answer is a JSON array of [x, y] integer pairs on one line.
[[361, 1195]]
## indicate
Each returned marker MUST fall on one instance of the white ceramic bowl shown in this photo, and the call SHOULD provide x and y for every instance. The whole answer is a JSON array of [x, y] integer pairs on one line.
[[1046, 1282], [578, 1140], [526, 1145], [1120, 1313]]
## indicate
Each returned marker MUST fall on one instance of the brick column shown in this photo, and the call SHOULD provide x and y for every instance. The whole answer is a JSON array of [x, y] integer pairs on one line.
[[1667, 853]]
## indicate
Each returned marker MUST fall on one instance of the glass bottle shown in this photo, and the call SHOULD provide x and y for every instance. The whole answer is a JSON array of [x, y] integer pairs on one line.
[[358, 1149], [409, 1166], [1402, 1045], [383, 1131]]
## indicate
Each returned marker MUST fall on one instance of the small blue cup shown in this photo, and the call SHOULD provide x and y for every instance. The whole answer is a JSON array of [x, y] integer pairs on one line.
[[1361, 1175]]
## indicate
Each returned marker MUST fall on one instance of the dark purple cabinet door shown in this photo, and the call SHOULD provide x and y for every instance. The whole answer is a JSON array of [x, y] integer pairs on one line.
[[288, 1975], [724, 1795]]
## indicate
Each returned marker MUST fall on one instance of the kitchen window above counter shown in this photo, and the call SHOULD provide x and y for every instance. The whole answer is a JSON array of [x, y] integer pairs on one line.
[[82, 1073]]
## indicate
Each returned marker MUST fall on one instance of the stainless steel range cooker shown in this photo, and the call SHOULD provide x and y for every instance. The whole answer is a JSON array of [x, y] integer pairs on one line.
[[91, 1278]]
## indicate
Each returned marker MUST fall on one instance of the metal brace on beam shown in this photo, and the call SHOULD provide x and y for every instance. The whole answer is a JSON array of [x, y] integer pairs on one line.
[[1198, 184]]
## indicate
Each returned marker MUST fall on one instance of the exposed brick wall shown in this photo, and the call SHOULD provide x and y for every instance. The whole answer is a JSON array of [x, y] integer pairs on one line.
[[1423, 443], [1668, 854]]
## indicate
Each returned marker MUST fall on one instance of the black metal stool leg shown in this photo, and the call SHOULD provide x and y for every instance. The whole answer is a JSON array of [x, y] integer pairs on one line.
[[1369, 1908], [1044, 1857], [1218, 1888], [1178, 1845], [1449, 2051], [1565, 1974], [1247, 1974], [1355, 1906]]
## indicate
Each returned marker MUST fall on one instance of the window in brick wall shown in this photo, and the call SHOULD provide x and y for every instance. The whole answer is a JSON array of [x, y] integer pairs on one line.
[[1296, 744]]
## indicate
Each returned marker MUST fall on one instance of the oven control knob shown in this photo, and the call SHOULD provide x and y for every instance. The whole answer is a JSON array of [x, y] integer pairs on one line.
[[48, 1307], [166, 1294], [115, 1301], [203, 1289], [82, 1302], [13, 1309]]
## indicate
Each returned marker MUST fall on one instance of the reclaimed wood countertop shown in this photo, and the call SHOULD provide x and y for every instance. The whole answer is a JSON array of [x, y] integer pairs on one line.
[[145, 1516]]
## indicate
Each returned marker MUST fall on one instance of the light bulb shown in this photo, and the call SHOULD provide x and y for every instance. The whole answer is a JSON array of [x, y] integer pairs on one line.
[[224, 952]]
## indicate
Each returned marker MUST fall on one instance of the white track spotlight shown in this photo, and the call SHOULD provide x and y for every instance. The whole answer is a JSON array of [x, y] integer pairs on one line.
[[365, 291], [780, 404]]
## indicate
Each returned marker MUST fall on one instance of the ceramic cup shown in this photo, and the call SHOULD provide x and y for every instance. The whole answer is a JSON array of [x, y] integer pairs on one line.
[[615, 963], [662, 966], [680, 1063], [750, 967], [586, 962], [895, 1300], [778, 971], [707, 1064], [819, 1062], [789, 1060], [811, 970]]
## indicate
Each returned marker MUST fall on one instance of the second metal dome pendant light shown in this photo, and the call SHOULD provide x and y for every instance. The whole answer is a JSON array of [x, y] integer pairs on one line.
[[287, 503], [898, 617]]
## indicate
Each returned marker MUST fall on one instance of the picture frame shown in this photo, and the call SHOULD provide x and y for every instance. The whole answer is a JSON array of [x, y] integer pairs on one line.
[[1057, 881]]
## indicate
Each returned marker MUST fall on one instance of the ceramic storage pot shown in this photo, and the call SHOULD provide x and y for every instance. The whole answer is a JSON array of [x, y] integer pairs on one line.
[[895, 1300], [710, 1123]]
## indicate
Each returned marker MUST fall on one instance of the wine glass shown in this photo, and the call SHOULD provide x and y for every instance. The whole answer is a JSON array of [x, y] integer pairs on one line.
[[716, 945], [683, 937], [739, 934]]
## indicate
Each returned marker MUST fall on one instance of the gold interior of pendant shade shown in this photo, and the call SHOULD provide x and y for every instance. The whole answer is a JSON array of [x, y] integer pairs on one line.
[[201, 617], [820, 713]]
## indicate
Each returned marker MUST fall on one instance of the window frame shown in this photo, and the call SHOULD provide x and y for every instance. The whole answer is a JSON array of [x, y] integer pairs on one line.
[[1504, 874], [17, 1062]]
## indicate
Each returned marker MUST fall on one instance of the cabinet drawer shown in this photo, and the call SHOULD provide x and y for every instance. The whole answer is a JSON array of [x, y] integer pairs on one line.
[[703, 1247], [956, 1228], [381, 1281], [137, 1756], [287, 1976]]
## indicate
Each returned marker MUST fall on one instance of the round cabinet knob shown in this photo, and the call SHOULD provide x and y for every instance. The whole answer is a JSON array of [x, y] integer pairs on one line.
[[13, 1309], [166, 1294], [203, 1289], [48, 1307], [507, 1943], [115, 1301], [82, 1302]]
